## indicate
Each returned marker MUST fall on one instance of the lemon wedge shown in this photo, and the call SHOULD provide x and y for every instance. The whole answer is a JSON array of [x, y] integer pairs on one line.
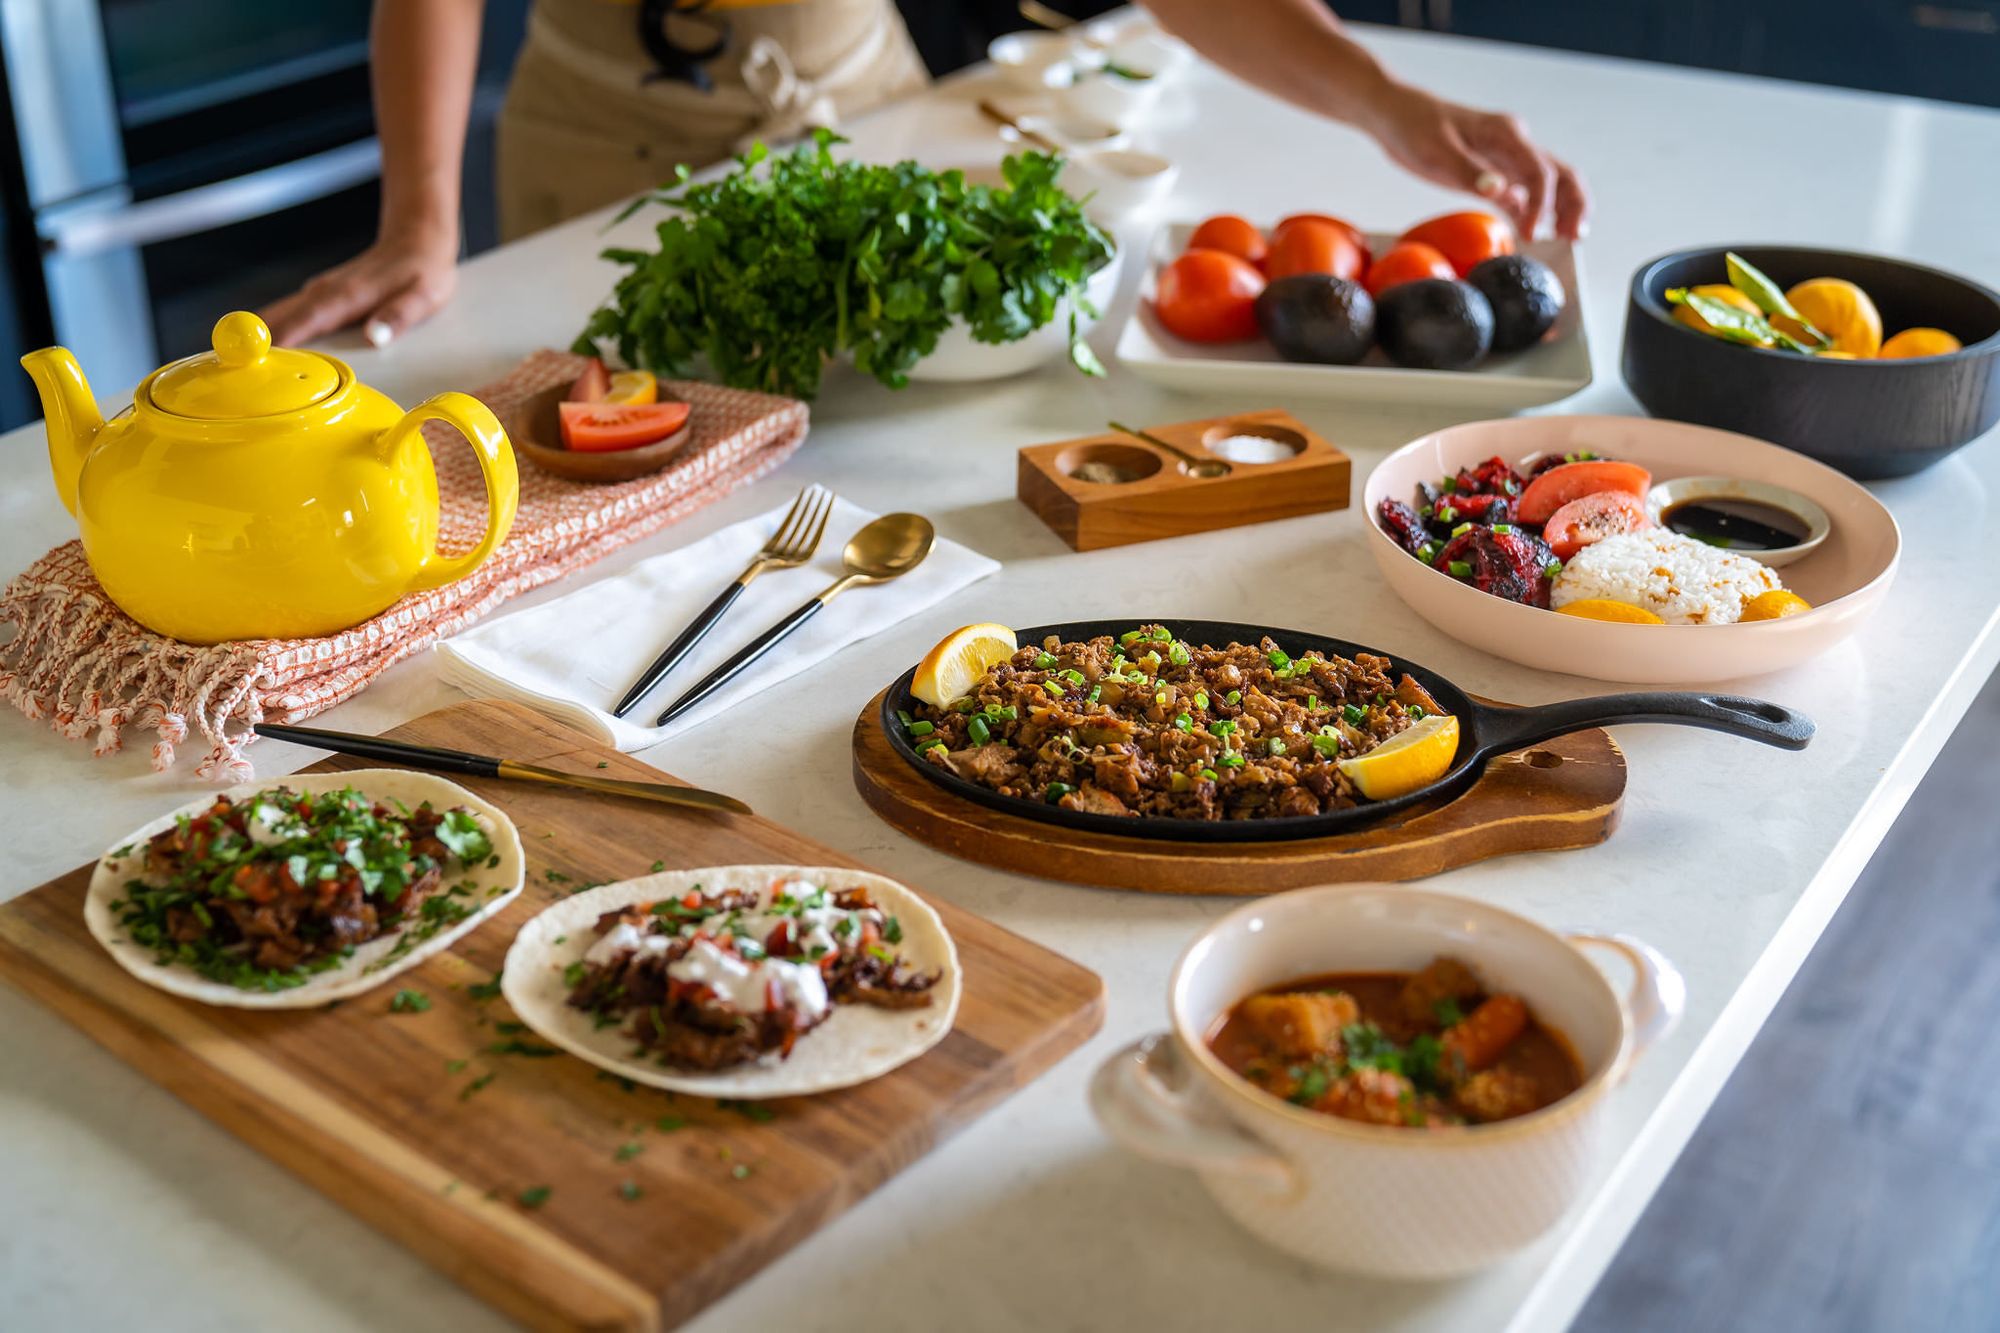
[[1775, 605], [1412, 758], [1603, 608], [633, 388], [959, 660]]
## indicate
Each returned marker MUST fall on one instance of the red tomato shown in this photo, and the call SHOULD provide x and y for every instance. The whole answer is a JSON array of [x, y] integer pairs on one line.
[[602, 428], [1466, 239], [1231, 235], [1207, 296], [1406, 261], [1311, 246], [1593, 518], [592, 385], [1354, 233], [1572, 481]]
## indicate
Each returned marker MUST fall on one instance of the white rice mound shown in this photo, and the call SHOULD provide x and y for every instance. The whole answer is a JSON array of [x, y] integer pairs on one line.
[[1678, 579]]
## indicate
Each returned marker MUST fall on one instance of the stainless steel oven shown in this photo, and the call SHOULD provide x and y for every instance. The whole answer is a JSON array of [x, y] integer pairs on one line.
[[178, 160]]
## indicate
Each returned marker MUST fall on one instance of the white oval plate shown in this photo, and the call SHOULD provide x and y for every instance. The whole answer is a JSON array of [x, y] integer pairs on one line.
[[370, 966]]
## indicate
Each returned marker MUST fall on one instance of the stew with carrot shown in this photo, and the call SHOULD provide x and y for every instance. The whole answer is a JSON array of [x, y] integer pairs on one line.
[[1422, 1049]]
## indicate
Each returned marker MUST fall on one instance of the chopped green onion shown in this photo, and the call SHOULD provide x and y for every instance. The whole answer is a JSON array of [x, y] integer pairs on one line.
[[1460, 569], [1232, 760], [1221, 728], [1551, 569], [1208, 773], [1130, 636], [978, 732], [1417, 713], [1056, 791], [932, 744], [1233, 698], [1278, 657], [1449, 485], [1201, 699], [1045, 661], [1275, 745], [1503, 527], [1071, 674], [1095, 690], [1446, 514], [1160, 635], [1178, 655], [1461, 529], [1160, 697], [1184, 722], [1428, 552], [904, 717], [1328, 746], [1354, 714], [1053, 688], [920, 728], [1312, 703], [1426, 512]]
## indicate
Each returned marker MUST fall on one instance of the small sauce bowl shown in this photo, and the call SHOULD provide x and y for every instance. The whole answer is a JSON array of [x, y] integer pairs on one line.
[[1118, 181], [1671, 495]]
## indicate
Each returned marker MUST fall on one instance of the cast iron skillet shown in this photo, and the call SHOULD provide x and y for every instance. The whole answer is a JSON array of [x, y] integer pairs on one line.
[[1484, 732]]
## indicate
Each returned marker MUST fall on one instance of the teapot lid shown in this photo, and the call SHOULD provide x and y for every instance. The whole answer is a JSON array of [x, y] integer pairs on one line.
[[244, 376]]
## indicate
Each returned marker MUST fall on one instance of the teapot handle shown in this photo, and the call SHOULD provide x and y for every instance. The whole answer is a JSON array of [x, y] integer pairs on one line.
[[481, 429]]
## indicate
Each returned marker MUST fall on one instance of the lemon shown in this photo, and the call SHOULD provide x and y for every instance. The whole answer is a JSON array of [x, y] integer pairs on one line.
[[1603, 608], [1775, 605], [1720, 291], [633, 388], [1412, 758], [1840, 310], [959, 660], [1920, 342]]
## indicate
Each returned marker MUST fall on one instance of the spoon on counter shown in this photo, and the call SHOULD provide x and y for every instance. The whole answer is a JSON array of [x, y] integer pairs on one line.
[[1190, 464], [885, 549]]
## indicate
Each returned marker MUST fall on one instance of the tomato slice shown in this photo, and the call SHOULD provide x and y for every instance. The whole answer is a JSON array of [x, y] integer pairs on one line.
[[602, 428], [592, 385], [1592, 518], [1572, 481]]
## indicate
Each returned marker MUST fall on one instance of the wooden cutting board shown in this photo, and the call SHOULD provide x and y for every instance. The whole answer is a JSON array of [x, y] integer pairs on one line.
[[1562, 794], [426, 1126]]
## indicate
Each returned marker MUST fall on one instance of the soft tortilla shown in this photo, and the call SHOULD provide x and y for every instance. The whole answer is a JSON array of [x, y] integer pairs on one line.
[[352, 977], [856, 1042]]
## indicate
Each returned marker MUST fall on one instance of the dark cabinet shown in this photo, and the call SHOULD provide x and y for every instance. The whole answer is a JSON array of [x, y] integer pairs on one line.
[[1947, 49]]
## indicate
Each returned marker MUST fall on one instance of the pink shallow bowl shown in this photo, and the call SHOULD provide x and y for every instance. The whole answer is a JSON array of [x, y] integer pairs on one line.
[[1845, 579]]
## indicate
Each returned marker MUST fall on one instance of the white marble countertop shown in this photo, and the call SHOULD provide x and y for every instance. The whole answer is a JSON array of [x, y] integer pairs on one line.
[[122, 1206]]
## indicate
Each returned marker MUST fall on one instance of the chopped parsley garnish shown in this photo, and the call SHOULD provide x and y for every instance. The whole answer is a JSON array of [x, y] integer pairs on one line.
[[515, 1046], [1447, 1012], [667, 1124], [740, 1171], [658, 866], [627, 1151], [629, 1190], [476, 1084], [485, 990], [750, 1110], [409, 1002], [535, 1196], [574, 974], [455, 1066], [892, 930]]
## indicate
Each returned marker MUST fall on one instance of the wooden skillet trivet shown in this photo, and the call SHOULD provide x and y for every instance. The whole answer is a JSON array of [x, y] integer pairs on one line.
[[1556, 796]]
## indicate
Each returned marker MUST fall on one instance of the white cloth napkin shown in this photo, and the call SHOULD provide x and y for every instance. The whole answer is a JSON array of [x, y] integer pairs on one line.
[[573, 657]]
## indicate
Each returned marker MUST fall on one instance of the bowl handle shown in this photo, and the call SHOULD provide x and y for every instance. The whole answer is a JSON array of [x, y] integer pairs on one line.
[[1145, 1098], [1658, 995], [482, 430]]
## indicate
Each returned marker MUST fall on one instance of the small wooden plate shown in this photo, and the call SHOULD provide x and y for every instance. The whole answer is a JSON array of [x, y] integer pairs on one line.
[[536, 431]]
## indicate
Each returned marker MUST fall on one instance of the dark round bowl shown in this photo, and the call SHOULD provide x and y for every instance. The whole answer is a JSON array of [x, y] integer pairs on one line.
[[1868, 418]]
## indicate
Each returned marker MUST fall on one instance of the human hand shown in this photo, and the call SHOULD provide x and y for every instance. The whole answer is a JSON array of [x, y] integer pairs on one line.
[[1487, 153], [392, 286]]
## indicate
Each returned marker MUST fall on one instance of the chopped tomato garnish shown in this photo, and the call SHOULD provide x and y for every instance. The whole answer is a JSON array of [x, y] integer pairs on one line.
[[692, 898]]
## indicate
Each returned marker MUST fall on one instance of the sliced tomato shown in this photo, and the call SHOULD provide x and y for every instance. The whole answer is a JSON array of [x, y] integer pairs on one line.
[[1592, 518], [592, 385], [603, 428], [1572, 481]]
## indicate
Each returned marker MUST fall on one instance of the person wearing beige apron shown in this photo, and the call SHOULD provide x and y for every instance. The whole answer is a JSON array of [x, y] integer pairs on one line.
[[609, 96]]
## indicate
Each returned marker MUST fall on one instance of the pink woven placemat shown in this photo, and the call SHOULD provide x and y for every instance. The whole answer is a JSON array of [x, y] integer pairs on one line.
[[78, 661]]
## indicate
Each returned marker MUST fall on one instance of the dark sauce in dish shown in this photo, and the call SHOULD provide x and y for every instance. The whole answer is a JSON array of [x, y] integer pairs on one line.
[[1736, 525]]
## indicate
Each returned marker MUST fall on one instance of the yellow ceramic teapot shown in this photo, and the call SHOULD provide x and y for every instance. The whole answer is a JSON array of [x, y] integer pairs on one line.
[[255, 492]]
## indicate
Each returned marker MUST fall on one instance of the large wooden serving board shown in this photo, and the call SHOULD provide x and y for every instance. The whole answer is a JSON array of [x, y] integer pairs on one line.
[[1563, 794], [416, 1123]]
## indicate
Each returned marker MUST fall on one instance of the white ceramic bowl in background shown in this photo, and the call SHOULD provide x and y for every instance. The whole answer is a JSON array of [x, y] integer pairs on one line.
[[959, 358], [1102, 95], [1375, 1199], [1845, 579], [1120, 182], [1031, 62]]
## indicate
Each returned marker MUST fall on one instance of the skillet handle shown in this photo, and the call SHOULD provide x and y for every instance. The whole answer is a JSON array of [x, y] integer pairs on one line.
[[1510, 729]]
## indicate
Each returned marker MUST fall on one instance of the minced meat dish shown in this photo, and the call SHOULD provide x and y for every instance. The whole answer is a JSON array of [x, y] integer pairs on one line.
[[1145, 724]]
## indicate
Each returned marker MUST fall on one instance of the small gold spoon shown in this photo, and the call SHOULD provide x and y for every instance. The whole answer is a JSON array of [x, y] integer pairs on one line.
[[887, 548], [1190, 464]]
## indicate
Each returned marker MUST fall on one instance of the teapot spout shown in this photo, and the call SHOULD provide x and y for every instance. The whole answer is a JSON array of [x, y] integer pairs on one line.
[[72, 418]]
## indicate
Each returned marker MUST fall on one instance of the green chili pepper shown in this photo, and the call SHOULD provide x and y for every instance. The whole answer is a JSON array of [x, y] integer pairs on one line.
[[1767, 296]]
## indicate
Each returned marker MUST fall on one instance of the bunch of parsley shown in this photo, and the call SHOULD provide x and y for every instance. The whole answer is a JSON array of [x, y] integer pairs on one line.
[[766, 275]]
